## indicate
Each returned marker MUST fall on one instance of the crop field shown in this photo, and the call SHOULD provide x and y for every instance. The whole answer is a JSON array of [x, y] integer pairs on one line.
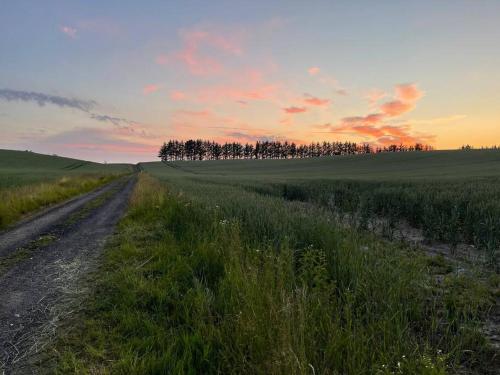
[[383, 166], [277, 267], [30, 181]]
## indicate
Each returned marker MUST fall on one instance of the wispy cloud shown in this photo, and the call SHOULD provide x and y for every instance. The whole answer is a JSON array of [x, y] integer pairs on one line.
[[117, 121], [177, 95], [150, 88], [374, 95], [294, 110], [312, 100], [245, 85], [42, 99], [69, 31], [199, 51], [64, 102]]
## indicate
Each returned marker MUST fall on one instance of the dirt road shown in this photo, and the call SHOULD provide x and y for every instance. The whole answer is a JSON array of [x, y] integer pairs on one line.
[[41, 263]]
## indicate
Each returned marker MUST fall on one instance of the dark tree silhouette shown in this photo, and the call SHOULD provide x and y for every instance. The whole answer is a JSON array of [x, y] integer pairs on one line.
[[209, 150]]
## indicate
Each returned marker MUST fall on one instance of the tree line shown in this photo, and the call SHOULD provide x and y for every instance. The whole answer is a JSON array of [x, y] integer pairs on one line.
[[209, 150]]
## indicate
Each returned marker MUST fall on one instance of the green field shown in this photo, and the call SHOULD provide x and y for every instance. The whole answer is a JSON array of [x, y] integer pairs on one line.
[[384, 166], [22, 167], [245, 267], [30, 181]]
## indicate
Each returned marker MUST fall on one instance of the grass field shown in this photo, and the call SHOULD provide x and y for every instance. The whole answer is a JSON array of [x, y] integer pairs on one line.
[[30, 181], [19, 168], [244, 267], [384, 166]]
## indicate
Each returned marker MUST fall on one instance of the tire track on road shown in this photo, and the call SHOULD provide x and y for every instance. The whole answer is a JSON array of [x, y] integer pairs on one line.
[[35, 292]]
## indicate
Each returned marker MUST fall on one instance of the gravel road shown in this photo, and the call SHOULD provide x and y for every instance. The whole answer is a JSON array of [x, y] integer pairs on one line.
[[43, 259]]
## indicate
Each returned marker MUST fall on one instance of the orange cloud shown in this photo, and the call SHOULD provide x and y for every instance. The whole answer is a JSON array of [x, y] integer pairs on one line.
[[396, 108], [313, 70], [311, 100], [374, 125], [408, 92], [148, 89], [294, 110], [405, 139], [406, 95], [368, 130]]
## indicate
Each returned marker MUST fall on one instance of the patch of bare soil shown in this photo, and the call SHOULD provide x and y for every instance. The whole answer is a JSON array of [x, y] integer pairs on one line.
[[38, 287]]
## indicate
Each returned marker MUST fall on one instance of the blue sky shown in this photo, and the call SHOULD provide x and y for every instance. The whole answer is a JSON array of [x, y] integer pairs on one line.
[[240, 70]]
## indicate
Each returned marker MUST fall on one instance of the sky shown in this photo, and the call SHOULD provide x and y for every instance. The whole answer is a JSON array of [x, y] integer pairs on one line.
[[112, 80]]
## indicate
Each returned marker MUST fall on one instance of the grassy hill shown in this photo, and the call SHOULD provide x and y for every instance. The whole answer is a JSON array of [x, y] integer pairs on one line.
[[387, 166], [30, 181], [23, 167]]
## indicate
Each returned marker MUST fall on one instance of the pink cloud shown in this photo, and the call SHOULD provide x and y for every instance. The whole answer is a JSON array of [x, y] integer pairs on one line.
[[177, 95], [205, 123], [148, 89], [313, 70], [69, 31], [396, 108], [311, 100], [406, 95], [218, 93], [102, 144], [408, 92], [294, 110], [198, 50], [245, 86], [368, 130]]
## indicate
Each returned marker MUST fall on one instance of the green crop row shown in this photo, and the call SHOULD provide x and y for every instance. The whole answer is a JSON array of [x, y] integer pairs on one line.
[[463, 211]]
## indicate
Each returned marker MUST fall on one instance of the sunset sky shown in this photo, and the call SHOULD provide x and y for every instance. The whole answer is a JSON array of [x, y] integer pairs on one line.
[[111, 80]]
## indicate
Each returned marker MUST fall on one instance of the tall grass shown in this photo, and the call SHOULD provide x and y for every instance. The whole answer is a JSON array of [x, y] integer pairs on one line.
[[18, 201], [452, 211], [207, 279]]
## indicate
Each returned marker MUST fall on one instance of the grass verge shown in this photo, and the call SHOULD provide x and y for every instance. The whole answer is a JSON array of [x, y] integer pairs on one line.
[[22, 200]]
